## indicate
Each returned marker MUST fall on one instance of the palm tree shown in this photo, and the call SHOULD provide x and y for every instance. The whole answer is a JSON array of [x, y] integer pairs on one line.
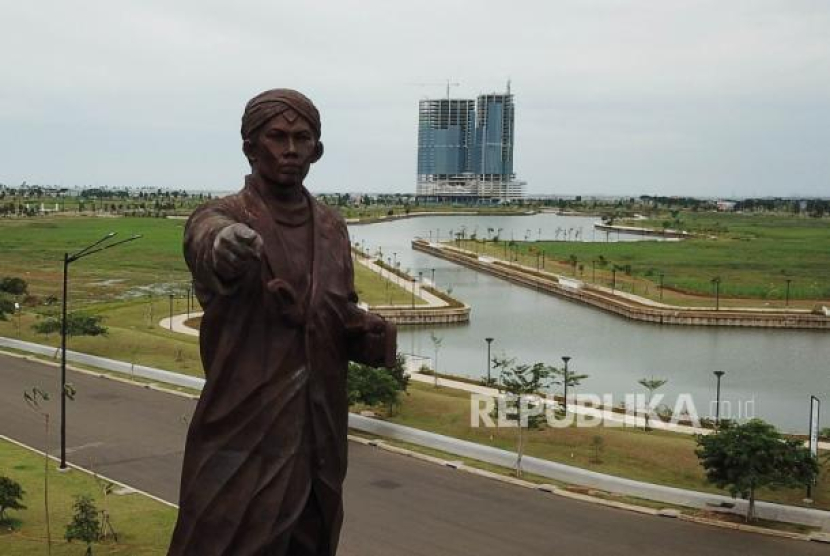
[[566, 379], [651, 384]]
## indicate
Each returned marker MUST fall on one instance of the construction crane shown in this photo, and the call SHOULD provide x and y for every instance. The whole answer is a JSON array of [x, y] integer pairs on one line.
[[448, 83]]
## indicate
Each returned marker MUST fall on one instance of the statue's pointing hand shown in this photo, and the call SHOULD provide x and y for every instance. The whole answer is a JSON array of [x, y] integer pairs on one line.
[[235, 248]]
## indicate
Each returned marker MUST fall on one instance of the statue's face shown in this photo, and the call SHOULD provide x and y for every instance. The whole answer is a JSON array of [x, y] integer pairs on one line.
[[283, 150]]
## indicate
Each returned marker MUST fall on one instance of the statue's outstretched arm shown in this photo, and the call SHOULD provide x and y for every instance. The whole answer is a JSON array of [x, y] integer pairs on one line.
[[218, 251]]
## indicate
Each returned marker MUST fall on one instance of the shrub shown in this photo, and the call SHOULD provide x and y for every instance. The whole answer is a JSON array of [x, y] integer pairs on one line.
[[13, 285], [77, 324], [11, 494], [376, 386], [6, 307]]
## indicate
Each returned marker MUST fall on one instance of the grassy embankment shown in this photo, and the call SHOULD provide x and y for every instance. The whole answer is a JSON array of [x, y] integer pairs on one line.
[[382, 211], [127, 285], [143, 525], [753, 255], [655, 456]]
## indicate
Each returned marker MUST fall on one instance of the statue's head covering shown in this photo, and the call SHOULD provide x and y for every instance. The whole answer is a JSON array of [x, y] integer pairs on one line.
[[272, 103]]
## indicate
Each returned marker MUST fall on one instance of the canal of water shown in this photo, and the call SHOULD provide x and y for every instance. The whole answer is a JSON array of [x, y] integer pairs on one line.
[[769, 373]]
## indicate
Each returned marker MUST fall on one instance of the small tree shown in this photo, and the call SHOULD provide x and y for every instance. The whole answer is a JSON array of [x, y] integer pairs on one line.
[[33, 399], [651, 384], [522, 382], [374, 386], [11, 494], [84, 526], [744, 458], [436, 344]]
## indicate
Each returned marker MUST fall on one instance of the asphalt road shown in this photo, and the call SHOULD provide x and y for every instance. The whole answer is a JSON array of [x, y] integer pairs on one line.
[[395, 506]]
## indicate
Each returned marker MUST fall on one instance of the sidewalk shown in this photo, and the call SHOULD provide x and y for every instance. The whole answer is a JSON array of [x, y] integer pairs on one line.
[[561, 279], [408, 285], [178, 323]]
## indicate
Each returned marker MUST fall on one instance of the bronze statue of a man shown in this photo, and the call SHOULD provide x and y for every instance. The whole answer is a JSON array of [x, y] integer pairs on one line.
[[266, 451]]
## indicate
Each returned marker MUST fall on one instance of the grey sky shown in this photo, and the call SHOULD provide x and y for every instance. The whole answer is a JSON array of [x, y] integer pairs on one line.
[[695, 97]]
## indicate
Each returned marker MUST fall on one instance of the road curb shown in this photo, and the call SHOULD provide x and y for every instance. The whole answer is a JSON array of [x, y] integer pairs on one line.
[[105, 375], [91, 473], [746, 528], [665, 513]]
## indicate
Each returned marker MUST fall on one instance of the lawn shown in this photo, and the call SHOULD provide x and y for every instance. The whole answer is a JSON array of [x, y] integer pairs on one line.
[[144, 526], [374, 289], [655, 456], [753, 255], [128, 285]]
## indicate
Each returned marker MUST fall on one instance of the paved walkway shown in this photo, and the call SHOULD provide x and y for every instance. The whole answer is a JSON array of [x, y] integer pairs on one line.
[[178, 323], [408, 285], [616, 293]]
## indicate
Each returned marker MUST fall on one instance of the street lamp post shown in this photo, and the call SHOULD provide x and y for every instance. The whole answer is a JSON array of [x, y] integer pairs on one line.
[[718, 374], [433, 277], [787, 302], [67, 260], [716, 283], [170, 321], [565, 377], [18, 309], [412, 291], [661, 287], [489, 341], [613, 279]]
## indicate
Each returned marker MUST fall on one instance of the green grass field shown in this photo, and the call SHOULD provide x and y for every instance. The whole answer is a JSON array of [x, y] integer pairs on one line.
[[144, 526], [374, 289], [753, 255], [127, 285], [655, 456]]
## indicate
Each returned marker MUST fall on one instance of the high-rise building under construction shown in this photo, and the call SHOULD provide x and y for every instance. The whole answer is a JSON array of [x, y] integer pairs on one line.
[[465, 149]]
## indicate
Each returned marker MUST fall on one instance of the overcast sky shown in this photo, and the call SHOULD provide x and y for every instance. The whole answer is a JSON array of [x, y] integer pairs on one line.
[[675, 97]]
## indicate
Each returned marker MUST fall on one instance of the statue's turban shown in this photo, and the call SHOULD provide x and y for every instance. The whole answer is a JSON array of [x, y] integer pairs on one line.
[[272, 103]]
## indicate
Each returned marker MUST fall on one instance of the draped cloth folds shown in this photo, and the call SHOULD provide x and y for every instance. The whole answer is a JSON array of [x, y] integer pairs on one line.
[[266, 451]]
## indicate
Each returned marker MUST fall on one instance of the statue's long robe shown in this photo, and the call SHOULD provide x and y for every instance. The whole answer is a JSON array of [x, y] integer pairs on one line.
[[266, 452]]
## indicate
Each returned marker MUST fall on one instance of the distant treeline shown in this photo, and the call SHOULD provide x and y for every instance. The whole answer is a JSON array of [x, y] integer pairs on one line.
[[33, 201]]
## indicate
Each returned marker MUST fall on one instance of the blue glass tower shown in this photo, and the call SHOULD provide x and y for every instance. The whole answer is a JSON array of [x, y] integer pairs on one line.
[[445, 135], [494, 135], [465, 149]]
